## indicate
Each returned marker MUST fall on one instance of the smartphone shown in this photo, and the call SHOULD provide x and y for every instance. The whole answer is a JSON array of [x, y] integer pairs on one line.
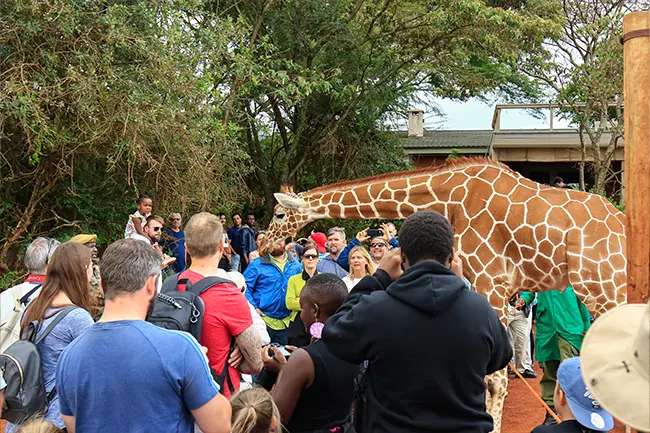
[[225, 240], [283, 351], [373, 233]]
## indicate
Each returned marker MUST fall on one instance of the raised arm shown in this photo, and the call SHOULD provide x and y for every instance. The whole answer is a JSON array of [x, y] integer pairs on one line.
[[345, 333]]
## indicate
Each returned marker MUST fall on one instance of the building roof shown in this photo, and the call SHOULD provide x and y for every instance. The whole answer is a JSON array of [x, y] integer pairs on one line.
[[448, 139]]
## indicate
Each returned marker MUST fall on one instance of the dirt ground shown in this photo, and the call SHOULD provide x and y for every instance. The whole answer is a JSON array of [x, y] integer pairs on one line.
[[522, 411]]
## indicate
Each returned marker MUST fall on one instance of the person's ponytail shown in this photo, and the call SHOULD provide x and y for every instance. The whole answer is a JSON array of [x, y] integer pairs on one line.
[[245, 420], [253, 411]]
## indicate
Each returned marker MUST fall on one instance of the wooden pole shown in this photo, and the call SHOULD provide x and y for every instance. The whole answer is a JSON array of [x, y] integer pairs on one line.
[[636, 45]]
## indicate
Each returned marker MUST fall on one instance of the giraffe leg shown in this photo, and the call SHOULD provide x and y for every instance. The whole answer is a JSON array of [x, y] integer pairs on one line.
[[497, 389], [497, 383]]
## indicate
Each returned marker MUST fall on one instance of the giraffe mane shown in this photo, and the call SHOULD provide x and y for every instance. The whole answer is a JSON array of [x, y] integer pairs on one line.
[[450, 165]]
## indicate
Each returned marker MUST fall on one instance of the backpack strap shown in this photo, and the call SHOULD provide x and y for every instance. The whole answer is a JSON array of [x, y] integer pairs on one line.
[[59, 316], [224, 377], [25, 299], [205, 283], [170, 284]]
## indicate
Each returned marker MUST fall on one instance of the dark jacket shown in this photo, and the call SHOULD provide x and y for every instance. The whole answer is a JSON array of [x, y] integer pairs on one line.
[[430, 343]]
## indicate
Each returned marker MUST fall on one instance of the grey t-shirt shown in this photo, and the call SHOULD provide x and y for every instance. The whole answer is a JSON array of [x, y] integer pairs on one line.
[[72, 326]]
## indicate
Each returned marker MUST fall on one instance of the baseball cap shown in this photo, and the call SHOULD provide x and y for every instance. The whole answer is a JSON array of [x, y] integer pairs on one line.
[[615, 360], [582, 403], [319, 239]]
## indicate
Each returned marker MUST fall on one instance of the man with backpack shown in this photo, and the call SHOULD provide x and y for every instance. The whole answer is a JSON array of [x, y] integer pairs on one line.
[[227, 321], [124, 374]]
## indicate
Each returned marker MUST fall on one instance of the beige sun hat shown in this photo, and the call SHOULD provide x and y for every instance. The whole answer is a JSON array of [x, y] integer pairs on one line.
[[615, 363]]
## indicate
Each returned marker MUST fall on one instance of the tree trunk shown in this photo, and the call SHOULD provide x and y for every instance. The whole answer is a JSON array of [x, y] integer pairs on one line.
[[583, 158], [43, 183]]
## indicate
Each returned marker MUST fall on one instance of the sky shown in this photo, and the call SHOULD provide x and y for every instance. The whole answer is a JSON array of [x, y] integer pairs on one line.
[[476, 114]]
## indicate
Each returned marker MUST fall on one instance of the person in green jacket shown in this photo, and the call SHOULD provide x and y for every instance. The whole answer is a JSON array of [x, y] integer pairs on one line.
[[562, 321]]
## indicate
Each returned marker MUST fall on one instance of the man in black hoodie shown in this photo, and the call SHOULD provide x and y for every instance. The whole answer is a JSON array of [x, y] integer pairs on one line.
[[428, 339]]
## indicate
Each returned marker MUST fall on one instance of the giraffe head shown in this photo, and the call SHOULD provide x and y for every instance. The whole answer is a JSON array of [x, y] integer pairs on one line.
[[292, 213]]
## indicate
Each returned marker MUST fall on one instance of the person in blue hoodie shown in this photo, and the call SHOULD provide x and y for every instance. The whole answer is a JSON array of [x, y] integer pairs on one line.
[[428, 339], [267, 278]]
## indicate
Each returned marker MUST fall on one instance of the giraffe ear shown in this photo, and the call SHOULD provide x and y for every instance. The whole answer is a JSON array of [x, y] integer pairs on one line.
[[290, 201]]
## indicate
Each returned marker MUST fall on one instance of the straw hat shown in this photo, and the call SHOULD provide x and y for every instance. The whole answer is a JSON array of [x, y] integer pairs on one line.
[[615, 362]]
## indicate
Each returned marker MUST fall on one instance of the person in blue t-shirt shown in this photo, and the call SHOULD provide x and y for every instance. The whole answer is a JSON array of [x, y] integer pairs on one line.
[[125, 374], [176, 242]]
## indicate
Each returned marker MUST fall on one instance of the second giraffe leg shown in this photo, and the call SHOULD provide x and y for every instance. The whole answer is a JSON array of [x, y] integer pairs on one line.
[[497, 389]]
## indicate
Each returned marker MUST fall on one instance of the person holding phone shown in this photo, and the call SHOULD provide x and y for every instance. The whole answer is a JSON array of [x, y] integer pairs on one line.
[[381, 242], [416, 293]]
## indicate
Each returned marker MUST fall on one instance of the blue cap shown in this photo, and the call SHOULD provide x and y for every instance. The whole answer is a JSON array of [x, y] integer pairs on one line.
[[584, 407]]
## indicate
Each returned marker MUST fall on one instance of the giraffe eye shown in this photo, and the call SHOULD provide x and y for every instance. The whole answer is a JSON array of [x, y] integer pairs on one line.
[[280, 216]]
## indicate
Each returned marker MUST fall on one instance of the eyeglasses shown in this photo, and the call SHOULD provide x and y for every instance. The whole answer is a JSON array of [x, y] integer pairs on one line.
[[377, 245], [51, 243], [310, 256], [157, 229], [175, 219]]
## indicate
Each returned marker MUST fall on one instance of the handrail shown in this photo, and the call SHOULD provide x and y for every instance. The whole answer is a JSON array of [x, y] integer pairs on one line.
[[496, 117]]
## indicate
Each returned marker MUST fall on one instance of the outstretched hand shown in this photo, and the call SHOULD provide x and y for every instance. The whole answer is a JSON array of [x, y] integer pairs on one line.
[[392, 264], [274, 363], [457, 265], [362, 236], [385, 231]]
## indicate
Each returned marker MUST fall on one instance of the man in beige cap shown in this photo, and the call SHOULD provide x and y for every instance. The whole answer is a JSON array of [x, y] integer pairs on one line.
[[615, 363], [90, 241]]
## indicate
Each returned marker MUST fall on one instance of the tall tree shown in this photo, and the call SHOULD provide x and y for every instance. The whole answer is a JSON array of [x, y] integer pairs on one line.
[[328, 74], [120, 89], [584, 71]]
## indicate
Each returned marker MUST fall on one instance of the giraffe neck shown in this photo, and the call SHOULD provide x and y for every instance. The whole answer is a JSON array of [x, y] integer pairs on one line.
[[387, 199]]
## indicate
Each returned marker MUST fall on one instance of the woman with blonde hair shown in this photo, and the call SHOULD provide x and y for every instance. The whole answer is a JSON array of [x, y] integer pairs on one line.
[[39, 426], [253, 411], [66, 291], [360, 265]]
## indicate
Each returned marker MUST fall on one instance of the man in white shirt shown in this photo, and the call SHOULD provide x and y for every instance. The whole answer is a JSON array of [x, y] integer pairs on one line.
[[38, 254], [14, 300]]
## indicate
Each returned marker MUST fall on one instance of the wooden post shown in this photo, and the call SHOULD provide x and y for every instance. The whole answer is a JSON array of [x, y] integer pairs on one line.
[[636, 40]]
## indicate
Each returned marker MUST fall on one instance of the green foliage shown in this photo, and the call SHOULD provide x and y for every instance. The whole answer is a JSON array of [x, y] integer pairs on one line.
[[455, 153], [208, 103], [121, 97], [343, 66], [10, 279]]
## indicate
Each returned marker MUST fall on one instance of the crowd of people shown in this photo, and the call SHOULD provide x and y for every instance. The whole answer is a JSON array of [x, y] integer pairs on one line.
[[381, 334]]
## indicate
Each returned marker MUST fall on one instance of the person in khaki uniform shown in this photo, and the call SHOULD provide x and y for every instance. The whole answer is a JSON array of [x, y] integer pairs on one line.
[[562, 321], [90, 241]]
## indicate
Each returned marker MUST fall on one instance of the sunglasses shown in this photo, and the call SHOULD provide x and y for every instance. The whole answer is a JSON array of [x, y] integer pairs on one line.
[[157, 229], [310, 256], [377, 245]]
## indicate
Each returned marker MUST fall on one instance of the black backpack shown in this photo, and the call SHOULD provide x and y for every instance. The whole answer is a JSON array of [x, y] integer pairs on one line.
[[183, 311], [20, 365]]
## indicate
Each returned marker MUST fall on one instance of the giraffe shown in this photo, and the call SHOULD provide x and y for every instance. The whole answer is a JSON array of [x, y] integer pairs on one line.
[[512, 234]]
